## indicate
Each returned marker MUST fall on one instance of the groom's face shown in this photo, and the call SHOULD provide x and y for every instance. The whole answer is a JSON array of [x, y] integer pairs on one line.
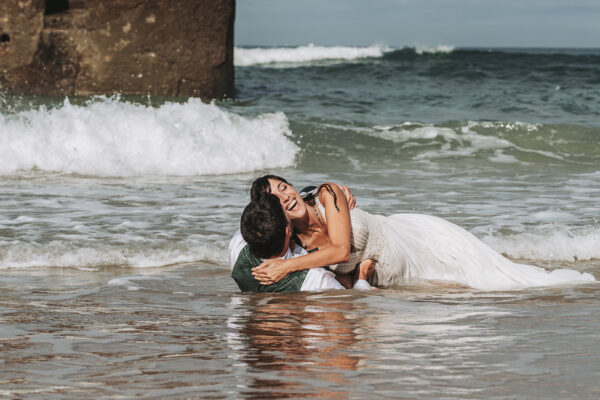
[[290, 199]]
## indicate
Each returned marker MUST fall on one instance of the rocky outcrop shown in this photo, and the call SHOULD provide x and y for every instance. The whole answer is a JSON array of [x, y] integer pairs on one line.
[[84, 47]]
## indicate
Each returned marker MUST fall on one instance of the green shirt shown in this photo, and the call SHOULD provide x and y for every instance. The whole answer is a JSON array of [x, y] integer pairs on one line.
[[242, 274]]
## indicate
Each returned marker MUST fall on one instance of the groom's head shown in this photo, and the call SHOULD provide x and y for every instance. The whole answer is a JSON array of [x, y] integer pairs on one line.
[[265, 227]]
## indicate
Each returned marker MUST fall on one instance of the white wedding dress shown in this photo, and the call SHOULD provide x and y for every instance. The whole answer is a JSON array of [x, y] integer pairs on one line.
[[416, 248]]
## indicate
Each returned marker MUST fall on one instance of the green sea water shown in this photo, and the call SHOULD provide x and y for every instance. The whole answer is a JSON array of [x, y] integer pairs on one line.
[[116, 212]]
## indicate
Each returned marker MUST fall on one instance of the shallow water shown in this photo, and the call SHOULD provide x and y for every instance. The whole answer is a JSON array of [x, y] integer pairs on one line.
[[115, 216], [184, 331]]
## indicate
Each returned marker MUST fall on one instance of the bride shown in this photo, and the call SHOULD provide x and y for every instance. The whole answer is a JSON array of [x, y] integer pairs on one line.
[[406, 248]]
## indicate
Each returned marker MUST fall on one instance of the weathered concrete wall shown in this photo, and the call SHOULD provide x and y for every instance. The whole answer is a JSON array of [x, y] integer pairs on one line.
[[82, 47]]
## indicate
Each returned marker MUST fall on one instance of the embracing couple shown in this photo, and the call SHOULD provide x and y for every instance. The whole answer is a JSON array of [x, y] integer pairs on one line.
[[319, 240]]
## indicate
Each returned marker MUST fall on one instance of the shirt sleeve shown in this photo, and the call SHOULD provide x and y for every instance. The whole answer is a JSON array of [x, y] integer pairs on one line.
[[320, 279], [236, 244]]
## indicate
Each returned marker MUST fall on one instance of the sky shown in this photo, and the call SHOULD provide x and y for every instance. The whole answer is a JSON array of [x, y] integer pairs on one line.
[[397, 23]]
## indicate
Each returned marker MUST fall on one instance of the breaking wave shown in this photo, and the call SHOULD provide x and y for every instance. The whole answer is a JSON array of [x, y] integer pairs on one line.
[[114, 138], [558, 245], [304, 54]]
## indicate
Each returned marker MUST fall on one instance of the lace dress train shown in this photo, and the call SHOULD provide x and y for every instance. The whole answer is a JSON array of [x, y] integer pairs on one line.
[[416, 247]]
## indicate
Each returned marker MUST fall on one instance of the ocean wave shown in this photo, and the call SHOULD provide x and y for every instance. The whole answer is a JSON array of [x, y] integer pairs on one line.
[[304, 54], [443, 49], [498, 141], [561, 245], [557, 245], [91, 256], [310, 53], [114, 138], [418, 52]]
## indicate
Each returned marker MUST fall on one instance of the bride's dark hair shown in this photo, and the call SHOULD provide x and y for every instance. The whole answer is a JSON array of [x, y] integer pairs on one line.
[[262, 185]]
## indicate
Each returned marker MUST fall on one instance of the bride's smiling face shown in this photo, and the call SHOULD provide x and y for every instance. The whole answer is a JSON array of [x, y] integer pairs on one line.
[[290, 199]]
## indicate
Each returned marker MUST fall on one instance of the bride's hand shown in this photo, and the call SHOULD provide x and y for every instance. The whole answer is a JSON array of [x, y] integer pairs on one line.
[[350, 199], [270, 271]]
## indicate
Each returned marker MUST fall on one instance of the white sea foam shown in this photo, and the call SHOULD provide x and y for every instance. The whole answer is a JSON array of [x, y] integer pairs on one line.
[[64, 253], [462, 141], [452, 143], [304, 54], [127, 281], [554, 245], [114, 138], [435, 49], [506, 125]]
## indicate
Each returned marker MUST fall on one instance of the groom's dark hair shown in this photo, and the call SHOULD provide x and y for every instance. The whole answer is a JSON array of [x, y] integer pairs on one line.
[[263, 226]]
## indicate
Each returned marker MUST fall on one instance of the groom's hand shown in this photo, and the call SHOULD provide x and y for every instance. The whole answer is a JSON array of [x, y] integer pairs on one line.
[[350, 199], [270, 271]]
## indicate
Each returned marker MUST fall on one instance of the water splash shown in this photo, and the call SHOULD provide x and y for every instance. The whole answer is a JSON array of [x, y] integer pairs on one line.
[[115, 138]]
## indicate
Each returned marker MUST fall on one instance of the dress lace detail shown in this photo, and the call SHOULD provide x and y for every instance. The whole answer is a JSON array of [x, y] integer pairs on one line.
[[412, 248], [415, 247], [366, 240]]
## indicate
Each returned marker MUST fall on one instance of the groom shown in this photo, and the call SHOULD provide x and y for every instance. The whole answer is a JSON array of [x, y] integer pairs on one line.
[[266, 233]]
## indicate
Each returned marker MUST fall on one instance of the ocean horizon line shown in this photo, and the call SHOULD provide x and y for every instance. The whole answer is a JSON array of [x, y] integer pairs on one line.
[[395, 46]]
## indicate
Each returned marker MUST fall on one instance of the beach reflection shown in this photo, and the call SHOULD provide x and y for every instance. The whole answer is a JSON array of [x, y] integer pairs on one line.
[[382, 344], [294, 345]]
